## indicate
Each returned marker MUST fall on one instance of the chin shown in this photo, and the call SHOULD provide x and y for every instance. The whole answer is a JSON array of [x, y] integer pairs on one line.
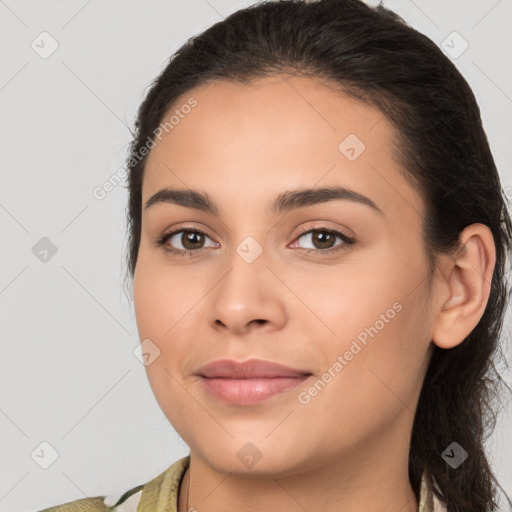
[[256, 458]]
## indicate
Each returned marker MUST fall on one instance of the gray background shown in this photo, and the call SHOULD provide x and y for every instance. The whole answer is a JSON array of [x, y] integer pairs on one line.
[[68, 374]]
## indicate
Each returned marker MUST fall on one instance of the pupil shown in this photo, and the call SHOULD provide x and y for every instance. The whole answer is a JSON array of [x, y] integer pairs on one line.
[[325, 235], [188, 239]]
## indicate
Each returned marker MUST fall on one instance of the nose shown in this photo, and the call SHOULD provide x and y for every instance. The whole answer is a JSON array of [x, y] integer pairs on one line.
[[248, 296]]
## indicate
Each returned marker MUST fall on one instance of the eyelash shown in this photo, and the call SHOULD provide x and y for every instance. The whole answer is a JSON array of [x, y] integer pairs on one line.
[[348, 241]]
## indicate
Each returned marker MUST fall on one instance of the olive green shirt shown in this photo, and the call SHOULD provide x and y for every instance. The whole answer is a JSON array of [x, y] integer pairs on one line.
[[161, 495]]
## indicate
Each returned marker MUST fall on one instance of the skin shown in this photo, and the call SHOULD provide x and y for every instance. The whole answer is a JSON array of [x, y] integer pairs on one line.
[[243, 145]]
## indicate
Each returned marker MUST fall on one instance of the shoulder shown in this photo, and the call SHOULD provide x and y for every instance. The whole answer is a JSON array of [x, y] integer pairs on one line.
[[128, 502], [146, 494], [83, 505]]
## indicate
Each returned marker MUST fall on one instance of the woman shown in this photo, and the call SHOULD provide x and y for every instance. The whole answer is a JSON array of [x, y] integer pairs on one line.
[[318, 243]]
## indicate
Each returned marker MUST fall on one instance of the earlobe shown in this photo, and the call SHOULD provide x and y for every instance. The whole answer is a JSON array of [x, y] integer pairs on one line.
[[466, 286]]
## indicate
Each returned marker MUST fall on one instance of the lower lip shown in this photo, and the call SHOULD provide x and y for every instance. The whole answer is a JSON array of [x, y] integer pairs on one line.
[[250, 391]]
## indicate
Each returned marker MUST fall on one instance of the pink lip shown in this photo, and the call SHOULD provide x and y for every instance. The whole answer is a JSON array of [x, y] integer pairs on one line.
[[249, 369], [250, 381]]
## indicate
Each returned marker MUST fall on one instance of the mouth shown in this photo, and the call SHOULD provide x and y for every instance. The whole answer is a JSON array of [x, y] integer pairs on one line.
[[249, 382], [249, 391]]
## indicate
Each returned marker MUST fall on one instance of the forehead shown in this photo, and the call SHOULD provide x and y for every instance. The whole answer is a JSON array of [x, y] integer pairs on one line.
[[275, 133]]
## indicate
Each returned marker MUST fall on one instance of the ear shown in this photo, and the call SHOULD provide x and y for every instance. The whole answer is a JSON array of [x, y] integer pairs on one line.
[[465, 286]]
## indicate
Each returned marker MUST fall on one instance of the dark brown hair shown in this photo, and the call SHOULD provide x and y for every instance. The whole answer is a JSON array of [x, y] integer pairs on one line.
[[371, 54]]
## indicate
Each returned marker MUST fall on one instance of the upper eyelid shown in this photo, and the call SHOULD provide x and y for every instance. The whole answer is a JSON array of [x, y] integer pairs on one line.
[[302, 231]]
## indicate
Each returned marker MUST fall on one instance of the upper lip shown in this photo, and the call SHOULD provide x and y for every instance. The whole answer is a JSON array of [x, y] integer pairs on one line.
[[251, 368]]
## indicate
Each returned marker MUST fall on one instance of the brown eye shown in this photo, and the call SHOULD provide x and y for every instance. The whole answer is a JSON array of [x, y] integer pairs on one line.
[[191, 240], [324, 240]]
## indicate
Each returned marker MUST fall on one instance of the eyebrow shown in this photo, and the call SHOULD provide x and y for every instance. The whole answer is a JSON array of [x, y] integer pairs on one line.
[[284, 202]]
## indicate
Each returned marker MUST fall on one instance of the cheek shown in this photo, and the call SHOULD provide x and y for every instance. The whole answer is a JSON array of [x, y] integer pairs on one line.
[[165, 301], [379, 347], [394, 352], [374, 384], [158, 310], [167, 304]]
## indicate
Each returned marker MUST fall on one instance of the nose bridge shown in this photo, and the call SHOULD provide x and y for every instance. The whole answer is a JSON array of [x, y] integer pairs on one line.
[[249, 239], [247, 269], [244, 293]]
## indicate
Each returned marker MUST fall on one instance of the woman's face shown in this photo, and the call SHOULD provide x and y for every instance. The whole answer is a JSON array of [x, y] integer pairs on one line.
[[259, 284]]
